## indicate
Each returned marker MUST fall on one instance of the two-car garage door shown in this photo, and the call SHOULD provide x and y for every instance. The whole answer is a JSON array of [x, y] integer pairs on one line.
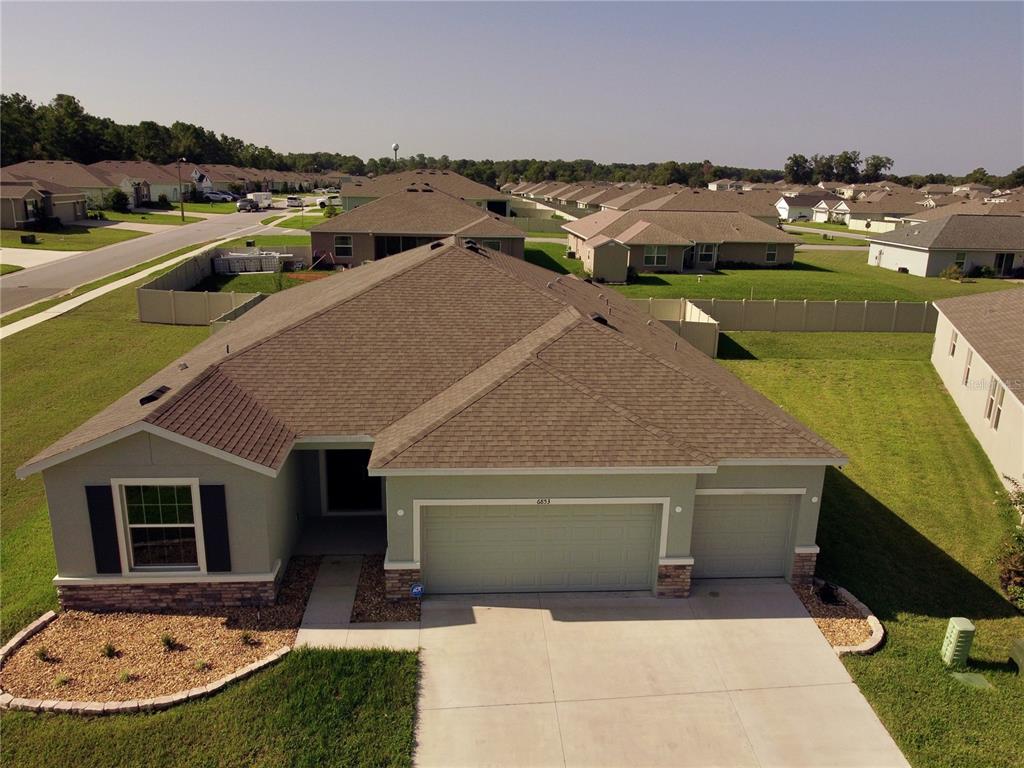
[[539, 547]]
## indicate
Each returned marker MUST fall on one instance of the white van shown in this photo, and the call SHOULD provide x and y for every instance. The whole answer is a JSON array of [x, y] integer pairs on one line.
[[292, 201]]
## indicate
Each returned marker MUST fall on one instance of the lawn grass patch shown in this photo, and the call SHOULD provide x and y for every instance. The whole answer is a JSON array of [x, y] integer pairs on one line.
[[811, 238], [250, 282], [911, 527], [169, 219], [825, 226], [547, 234], [218, 207], [268, 241], [71, 238], [271, 219], [6, 269], [552, 256], [40, 306], [303, 221], [314, 708], [824, 275]]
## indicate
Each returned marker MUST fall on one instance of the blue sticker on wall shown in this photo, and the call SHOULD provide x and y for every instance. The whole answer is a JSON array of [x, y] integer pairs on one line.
[[416, 590]]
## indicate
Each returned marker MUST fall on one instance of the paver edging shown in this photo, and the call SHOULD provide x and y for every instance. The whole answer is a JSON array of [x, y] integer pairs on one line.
[[92, 708], [877, 636]]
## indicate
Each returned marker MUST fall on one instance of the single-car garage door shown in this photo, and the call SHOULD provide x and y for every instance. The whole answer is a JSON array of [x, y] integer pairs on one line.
[[539, 547], [736, 536]]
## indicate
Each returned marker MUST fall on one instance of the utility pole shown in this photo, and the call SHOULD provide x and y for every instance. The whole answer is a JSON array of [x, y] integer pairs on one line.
[[181, 196]]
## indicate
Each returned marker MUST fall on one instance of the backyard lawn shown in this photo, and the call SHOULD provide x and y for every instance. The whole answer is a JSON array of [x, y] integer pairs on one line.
[[911, 526], [812, 238], [268, 241], [6, 269], [826, 226], [304, 221], [315, 708], [168, 218], [552, 256], [253, 282], [225, 207], [72, 238]]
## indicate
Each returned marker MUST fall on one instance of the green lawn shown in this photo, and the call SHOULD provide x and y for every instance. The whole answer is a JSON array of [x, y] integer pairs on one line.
[[304, 221], [827, 226], [268, 241], [6, 269], [271, 219], [226, 207], [315, 708], [168, 218], [547, 234], [816, 239], [47, 303], [911, 527], [72, 238], [552, 256], [823, 275], [253, 282]]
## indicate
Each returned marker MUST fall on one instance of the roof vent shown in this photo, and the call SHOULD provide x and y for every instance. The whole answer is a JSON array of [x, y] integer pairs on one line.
[[598, 318], [182, 365], [156, 394], [435, 245]]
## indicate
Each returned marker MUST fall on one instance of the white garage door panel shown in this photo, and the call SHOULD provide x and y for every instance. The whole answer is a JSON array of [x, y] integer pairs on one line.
[[741, 536], [539, 548]]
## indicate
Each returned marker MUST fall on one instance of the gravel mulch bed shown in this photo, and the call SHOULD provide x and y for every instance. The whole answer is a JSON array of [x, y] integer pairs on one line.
[[840, 623], [69, 659], [371, 605]]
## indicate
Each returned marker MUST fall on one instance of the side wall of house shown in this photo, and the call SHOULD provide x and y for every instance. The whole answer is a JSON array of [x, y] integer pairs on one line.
[[755, 253]]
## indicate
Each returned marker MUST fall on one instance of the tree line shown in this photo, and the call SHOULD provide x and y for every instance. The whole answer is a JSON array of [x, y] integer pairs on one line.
[[63, 130]]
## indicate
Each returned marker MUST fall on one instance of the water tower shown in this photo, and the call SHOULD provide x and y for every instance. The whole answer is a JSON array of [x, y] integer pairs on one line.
[[394, 148]]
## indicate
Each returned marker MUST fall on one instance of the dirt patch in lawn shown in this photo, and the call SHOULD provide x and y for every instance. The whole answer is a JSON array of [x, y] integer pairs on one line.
[[308, 277], [841, 624], [86, 656], [371, 604]]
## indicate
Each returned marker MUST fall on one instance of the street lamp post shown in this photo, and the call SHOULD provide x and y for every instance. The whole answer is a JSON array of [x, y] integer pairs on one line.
[[181, 195]]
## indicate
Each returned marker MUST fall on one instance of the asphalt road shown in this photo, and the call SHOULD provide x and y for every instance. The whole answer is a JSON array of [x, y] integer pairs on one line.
[[19, 289]]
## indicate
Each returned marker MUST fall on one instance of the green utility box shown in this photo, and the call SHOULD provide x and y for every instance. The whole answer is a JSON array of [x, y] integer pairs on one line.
[[956, 646]]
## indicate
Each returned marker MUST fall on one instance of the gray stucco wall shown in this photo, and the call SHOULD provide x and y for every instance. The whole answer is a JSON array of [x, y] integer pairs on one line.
[[253, 499]]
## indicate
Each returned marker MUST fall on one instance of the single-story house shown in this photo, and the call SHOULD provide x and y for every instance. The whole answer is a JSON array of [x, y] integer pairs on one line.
[[640, 197], [406, 219], [723, 185], [879, 212], [25, 201], [91, 182], [609, 243], [756, 204], [1011, 205], [212, 177], [362, 190], [979, 355], [936, 190], [146, 179], [518, 431], [973, 189], [799, 207], [992, 241]]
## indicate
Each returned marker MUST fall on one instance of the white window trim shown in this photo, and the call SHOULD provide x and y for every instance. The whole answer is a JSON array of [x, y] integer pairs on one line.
[[771, 253], [967, 367], [994, 403], [701, 253], [117, 488], [348, 245], [954, 337]]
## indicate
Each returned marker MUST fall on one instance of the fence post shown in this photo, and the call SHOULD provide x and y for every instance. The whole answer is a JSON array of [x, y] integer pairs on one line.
[[206, 301], [174, 318], [895, 315], [682, 312], [924, 316], [803, 319], [743, 315], [775, 312], [835, 313], [650, 306], [864, 317]]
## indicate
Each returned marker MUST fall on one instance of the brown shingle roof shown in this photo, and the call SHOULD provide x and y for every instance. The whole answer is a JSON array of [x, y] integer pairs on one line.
[[753, 203], [448, 182], [138, 169], [452, 357], [961, 232], [420, 210], [992, 324], [65, 172], [680, 226]]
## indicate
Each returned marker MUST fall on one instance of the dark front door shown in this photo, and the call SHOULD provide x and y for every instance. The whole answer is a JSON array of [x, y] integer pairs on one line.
[[1004, 264], [349, 486], [688, 258]]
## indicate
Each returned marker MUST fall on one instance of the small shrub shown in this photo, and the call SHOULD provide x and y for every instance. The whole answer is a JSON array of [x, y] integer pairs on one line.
[[1011, 559], [127, 677], [116, 200], [981, 271], [168, 642], [330, 212], [163, 202], [61, 680], [952, 272], [248, 638], [43, 653], [108, 651], [202, 665]]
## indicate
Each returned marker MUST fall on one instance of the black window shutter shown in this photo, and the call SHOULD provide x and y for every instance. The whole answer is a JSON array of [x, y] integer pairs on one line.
[[215, 527], [100, 500]]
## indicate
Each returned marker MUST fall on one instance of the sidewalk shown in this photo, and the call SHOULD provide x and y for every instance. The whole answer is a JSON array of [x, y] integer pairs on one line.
[[33, 257]]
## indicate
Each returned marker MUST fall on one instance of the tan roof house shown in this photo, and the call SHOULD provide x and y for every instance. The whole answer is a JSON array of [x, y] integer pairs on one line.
[[26, 201], [150, 179], [969, 242], [979, 355], [94, 184], [611, 243], [413, 216], [755, 203], [362, 190], [468, 400]]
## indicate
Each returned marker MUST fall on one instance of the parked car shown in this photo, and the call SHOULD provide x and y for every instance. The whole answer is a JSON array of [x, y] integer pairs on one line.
[[293, 201], [247, 204], [334, 200], [218, 197]]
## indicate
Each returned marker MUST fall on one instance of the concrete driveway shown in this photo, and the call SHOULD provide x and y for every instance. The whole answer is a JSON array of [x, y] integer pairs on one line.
[[738, 675]]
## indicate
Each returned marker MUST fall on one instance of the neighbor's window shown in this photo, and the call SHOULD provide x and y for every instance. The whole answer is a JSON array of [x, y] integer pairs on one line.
[[952, 343], [771, 253], [494, 245], [961, 259], [994, 405], [967, 367], [655, 255], [343, 246], [161, 526], [707, 252]]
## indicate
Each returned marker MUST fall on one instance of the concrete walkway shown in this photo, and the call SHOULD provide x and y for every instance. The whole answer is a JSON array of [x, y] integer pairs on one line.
[[33, 257]]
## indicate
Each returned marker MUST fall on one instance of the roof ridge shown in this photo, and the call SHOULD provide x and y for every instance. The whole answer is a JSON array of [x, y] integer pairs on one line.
[[476, 383]]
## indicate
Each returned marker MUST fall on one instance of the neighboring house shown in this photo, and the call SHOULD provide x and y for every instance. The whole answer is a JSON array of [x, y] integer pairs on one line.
[[799, 207], [361, 191], [936, 190], [144, 181], [639, 197], [1008, 206], [26, 201], [406, 219], [972, 189], [90, 182], [878, 213], [757, 204], [609, 243], [723, 185], [969, 242], [979, 355], [212, 177], [518, 431]]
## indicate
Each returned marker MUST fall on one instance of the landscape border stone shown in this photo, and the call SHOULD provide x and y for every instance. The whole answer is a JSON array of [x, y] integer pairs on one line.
[[96, 708], [877, 636]]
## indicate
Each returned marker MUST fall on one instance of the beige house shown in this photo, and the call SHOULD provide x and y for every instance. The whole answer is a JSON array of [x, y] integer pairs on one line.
[[979, 355], [93, 183], [360, 191], [513, 430], [416, 215], [27, 201], [969, 242], [611, 243], [154, 179]]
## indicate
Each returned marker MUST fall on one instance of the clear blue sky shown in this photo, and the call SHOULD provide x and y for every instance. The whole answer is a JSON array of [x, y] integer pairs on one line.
[[936, 86]]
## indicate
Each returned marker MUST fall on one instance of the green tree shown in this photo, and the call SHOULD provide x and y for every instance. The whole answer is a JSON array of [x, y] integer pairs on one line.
[[823, 168], [63, 130], [798, 169], [17, 129], [875, 166], [846, 166]]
